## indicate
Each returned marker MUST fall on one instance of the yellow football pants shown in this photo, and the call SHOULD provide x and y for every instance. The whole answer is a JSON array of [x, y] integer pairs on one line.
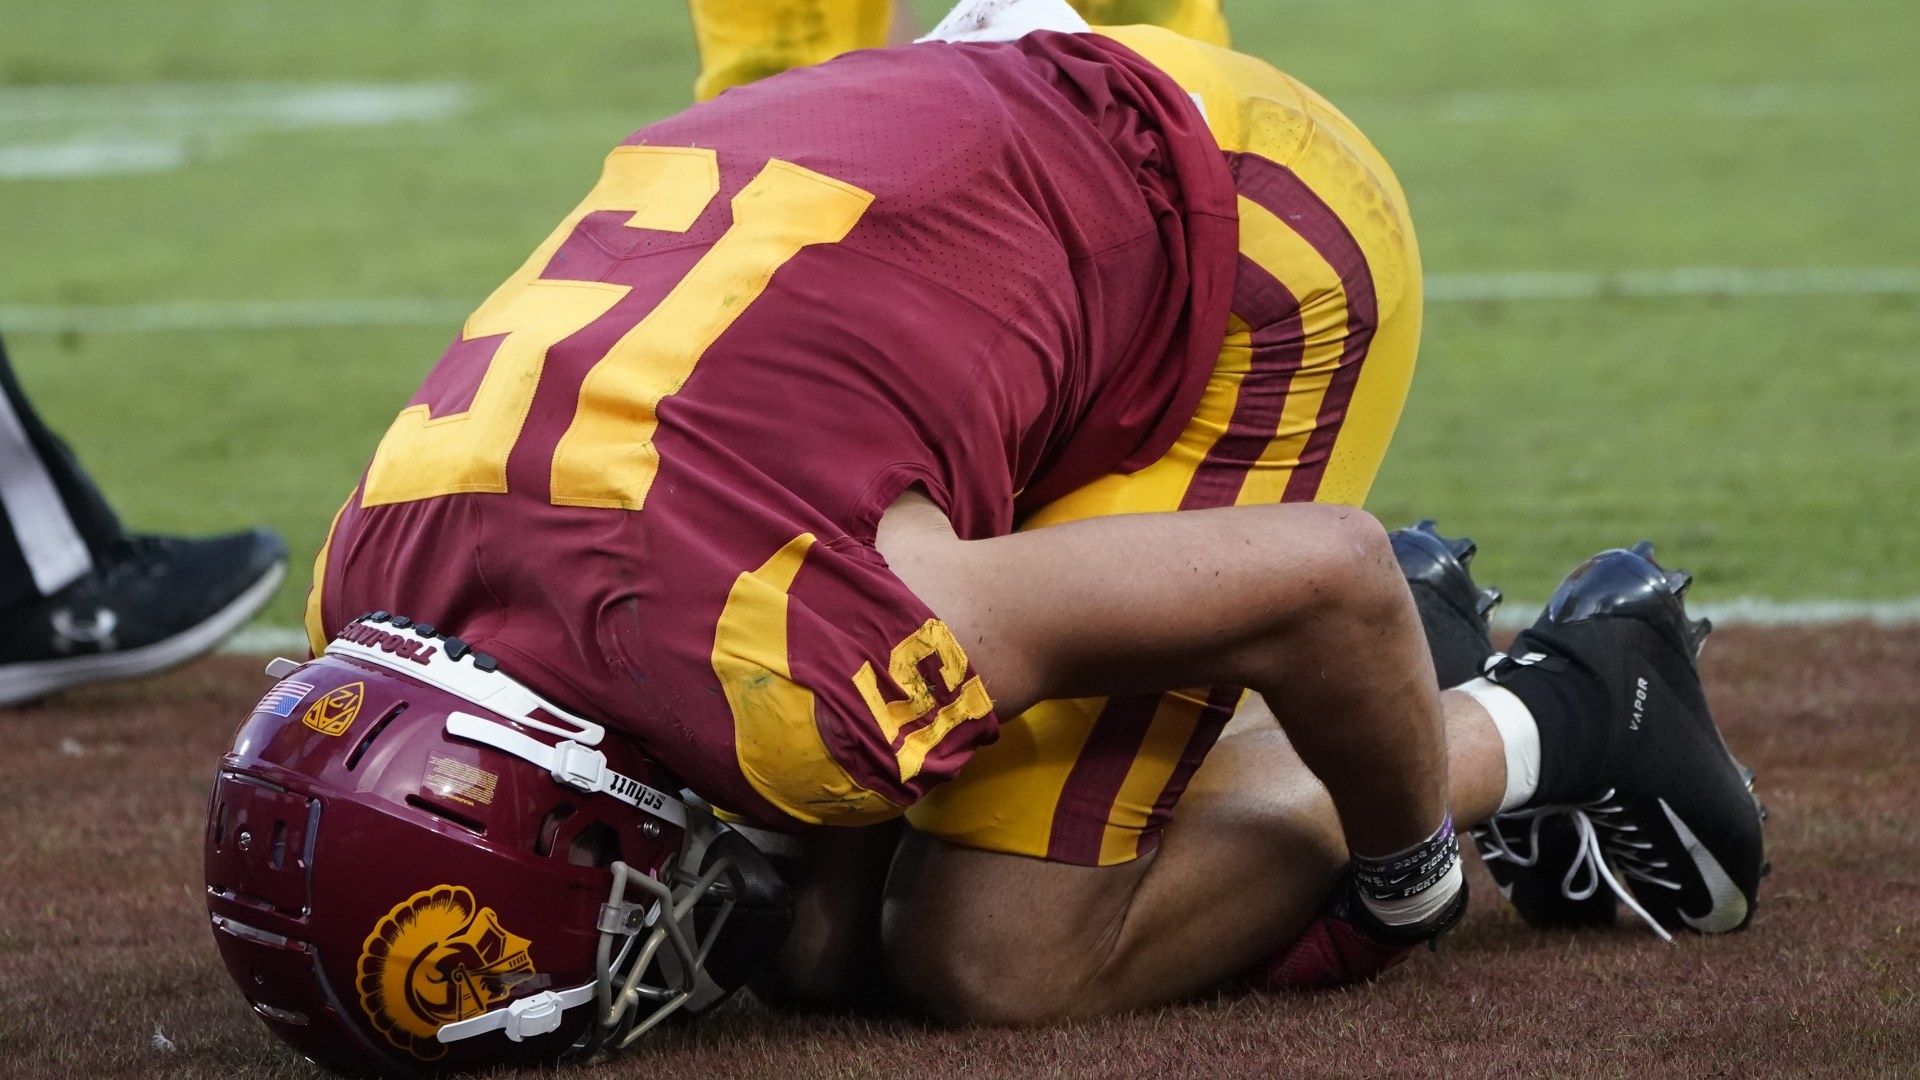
[[744, 40]]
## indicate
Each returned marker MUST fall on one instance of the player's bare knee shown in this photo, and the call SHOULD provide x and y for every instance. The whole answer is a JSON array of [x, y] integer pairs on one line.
[[983, 960], [961, 983]]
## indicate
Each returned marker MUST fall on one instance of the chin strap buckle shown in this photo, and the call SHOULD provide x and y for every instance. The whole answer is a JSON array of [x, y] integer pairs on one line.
[[571, 764], [536, 1015], [578, 766], [527, 1018]]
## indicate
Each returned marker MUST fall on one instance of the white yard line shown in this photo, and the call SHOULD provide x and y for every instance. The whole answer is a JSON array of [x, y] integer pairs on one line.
[[1703, 281], [237, 315], [72, 109], [1759, 611], [75, 132], [1762, 101], [1441, 288], [260, 639], [99, 155]]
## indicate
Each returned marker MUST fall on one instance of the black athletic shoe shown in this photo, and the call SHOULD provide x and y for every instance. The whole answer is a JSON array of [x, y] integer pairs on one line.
[[1668, 809], [160, 601], [1453, 610]]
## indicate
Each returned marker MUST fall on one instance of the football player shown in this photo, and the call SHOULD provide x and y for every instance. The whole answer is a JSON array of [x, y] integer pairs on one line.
[[818, 464], [744, 40]]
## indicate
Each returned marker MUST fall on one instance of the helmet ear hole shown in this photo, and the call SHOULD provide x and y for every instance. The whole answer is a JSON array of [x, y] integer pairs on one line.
[[595, 845], [380, 725], [550, 829]]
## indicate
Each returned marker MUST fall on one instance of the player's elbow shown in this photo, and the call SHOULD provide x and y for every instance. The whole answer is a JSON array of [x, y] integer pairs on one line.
[[1342, 582], [1367, 585]]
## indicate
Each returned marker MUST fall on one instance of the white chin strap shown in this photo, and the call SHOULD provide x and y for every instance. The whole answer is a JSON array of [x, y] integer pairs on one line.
[[573, 761], [524, 1019], [580, 767]]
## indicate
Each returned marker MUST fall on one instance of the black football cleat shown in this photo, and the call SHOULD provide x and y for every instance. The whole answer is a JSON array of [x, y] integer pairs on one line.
[[1453, 610], [1669, 811]]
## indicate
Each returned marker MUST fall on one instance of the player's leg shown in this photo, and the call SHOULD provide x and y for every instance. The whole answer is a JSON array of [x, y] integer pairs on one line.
[[82, 601], [1028, 800], [1201, 20], [744, 40], [59, 525], [831, 957], [1240, 872], [1303, 603]]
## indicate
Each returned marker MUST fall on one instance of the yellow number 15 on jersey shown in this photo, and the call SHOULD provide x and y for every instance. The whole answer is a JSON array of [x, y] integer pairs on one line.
[[607, 457]]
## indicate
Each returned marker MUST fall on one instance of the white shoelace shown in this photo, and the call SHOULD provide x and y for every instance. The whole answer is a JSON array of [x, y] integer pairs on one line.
[[1595, 857]]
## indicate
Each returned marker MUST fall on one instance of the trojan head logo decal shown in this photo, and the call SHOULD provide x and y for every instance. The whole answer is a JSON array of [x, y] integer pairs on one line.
[[334, 713], [437, 957]]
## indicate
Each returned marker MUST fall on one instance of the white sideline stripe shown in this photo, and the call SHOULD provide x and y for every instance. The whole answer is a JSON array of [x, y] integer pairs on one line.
[[97, 156], [1628, 103], [1703, 281], [179, 107], [260, 639], [54, 132], [1757, 611], [1440, 288], [241, 315]]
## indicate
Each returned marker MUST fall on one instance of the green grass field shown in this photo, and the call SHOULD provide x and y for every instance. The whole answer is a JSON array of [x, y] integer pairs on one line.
[[1770, 442]]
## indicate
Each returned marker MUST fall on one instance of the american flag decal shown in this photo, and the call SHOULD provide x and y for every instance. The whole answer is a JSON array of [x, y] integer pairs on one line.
[[285, 696]]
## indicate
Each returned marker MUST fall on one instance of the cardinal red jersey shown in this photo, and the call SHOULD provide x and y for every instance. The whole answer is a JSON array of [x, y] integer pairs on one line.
[[647, 474]]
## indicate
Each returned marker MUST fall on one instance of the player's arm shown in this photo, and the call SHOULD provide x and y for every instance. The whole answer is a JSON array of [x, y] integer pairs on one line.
[[1303, 603]]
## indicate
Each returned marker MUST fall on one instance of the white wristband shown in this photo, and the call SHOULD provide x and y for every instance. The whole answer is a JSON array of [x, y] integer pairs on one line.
[[1421, 906]]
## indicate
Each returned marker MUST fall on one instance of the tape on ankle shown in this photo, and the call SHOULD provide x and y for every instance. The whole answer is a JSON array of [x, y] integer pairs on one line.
[[1519, 738], [1413, 885]]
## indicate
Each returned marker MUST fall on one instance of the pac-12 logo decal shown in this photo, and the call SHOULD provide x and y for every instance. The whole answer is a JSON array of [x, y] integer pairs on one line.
[[437, 957], [333, 714]]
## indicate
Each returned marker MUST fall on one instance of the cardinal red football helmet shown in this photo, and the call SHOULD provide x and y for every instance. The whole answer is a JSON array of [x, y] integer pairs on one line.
[[417, 865]]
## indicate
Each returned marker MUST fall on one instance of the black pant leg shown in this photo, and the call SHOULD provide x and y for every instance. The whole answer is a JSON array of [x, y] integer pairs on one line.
[[92, 518]]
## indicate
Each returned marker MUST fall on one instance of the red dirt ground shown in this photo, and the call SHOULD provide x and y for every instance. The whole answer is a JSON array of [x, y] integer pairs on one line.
[[104, 943]]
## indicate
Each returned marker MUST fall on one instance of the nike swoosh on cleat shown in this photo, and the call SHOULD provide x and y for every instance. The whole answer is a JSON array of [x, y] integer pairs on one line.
[[1729, 908]]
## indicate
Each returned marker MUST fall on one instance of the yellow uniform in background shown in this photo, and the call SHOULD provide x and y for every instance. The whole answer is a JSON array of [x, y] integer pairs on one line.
[[744, 40]]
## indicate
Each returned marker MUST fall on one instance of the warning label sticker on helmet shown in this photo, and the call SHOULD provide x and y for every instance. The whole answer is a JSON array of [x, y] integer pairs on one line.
[[457, 780]]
